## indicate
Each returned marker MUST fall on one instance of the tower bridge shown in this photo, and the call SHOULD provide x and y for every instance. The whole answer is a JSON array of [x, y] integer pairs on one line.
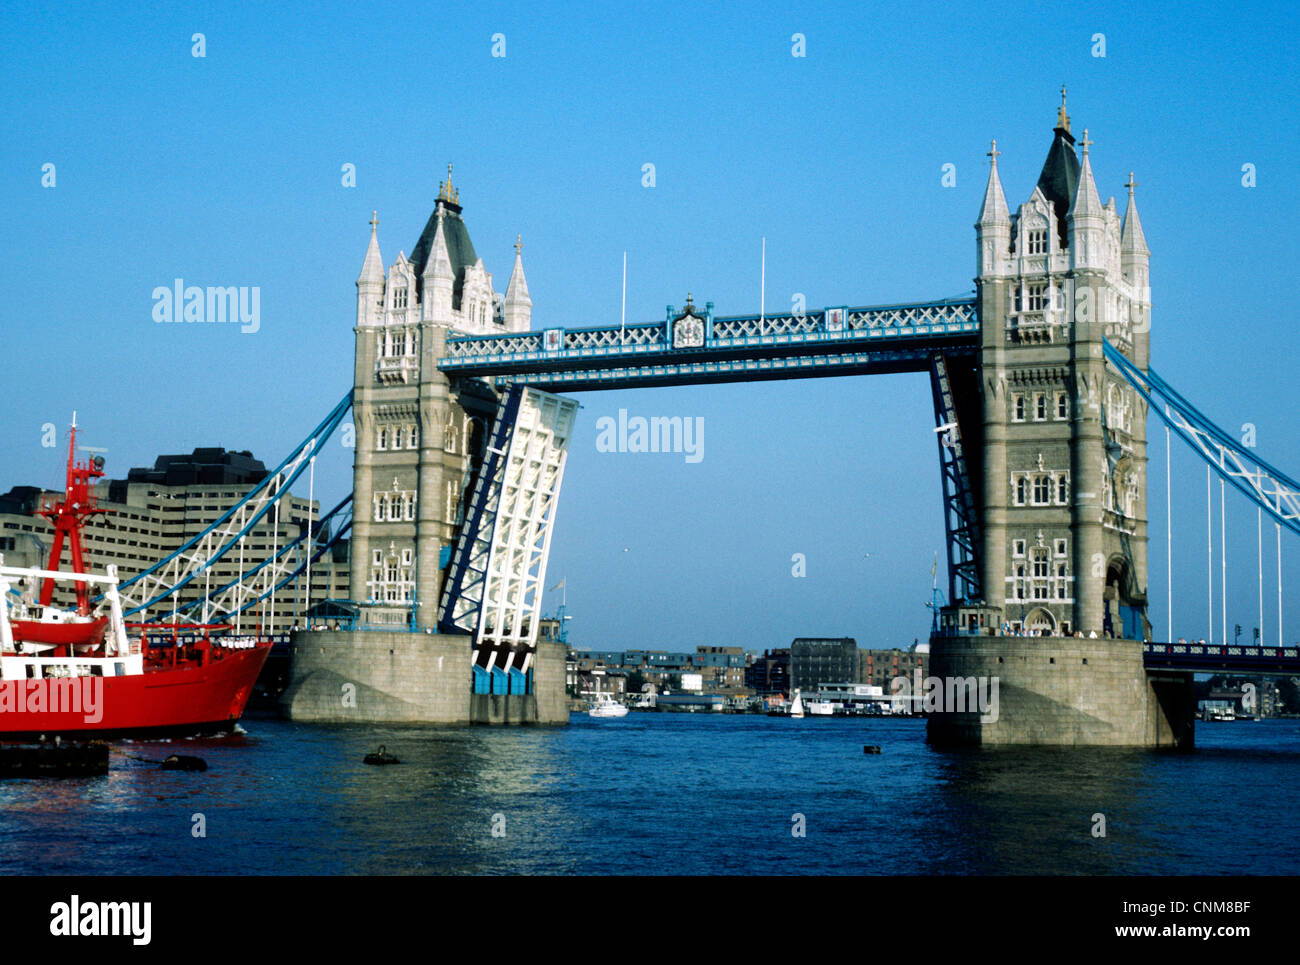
[[1041, 382]]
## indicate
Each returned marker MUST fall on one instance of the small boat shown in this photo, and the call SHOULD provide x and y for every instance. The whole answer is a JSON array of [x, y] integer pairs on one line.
[[821, 708], [796, 706], [606, 706]]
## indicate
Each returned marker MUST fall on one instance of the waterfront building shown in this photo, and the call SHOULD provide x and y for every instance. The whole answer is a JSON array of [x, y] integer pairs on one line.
[[154, 511], [770, 673], [880, 667], [816, 659]]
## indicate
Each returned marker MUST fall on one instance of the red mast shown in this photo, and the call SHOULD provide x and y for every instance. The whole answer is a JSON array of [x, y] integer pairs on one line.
[[68, 514]]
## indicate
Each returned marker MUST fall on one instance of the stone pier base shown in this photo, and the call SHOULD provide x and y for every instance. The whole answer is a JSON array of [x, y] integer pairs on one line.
[[382, 676], [1063, 691]]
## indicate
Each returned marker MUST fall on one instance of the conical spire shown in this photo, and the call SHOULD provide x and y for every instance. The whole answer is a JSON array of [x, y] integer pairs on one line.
[[517, 289], [439, 264], [994, 210], [372, 269], [517, 309], [1132, 240], [438, 279], [1086, 203]]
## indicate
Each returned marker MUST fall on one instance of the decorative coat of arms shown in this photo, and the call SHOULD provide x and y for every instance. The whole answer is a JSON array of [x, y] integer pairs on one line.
[[688, 327]]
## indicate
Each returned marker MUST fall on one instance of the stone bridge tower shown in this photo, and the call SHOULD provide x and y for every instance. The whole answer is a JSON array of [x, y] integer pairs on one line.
[[1064, 474], [418, 436], [1062, 485]]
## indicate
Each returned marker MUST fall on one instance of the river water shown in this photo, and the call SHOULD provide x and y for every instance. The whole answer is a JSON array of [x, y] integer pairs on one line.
[[664, 794]]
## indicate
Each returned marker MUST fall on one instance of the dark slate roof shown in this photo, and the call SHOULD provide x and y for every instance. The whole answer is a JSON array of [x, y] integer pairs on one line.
[[1060, 178], [459, 248], [203, 466]]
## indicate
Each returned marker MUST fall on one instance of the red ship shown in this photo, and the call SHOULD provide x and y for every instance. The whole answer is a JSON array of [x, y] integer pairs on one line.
[[87, 673]]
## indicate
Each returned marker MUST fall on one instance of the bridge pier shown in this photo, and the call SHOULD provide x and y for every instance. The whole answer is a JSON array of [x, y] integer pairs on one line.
[[1062, 691], [397, 677]]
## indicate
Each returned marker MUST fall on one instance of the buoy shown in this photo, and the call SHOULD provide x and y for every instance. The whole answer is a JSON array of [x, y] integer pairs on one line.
[[870, 749], [183, 762]]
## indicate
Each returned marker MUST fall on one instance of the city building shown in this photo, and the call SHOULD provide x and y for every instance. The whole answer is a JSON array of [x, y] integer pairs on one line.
[[880, 667], [770, 673], [815, 660], [154, 511]]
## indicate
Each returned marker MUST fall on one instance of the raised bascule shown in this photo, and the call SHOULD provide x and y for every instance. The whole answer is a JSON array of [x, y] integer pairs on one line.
[[1041, 382]]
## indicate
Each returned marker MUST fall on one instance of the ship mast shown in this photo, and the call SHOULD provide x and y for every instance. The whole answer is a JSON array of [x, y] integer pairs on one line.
[[68, 514]]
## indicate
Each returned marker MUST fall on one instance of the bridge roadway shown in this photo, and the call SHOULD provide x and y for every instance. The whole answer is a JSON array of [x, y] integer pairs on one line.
[[1223, 658], [829, 342]]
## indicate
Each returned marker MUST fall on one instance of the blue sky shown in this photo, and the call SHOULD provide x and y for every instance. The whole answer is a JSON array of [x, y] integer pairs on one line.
[[226, 170]]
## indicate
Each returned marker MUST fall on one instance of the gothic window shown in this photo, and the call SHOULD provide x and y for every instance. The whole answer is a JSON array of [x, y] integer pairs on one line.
[[451, 507], [1040, 407], [399, 298], [1021, 486], [1018, 547], [1062, 405], [382, 442], [1037, 297], [1042, 490], [1062, 489], [1019, 591], [408, 507], [412, 436], [377, 558], [406, 556], [397, 437], [399, 343], [451, 438], [1018, 402], [1060, 547], [1060, 581], [1038, 241], [1038, 561]]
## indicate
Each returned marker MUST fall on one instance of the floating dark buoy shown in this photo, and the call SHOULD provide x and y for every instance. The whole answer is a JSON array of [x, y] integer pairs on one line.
[[870, 749], [380, 757], [54, 760], [183, 762]]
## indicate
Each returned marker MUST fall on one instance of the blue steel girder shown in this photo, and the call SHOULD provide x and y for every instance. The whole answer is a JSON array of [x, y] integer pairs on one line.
[[1277, 493], [1223, 658], [961, 520], [830, 342], [462, 594]]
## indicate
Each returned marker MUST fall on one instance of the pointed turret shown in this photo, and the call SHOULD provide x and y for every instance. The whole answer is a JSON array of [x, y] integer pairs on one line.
[[1086, 218], [1132, 240], [517, 309], [370, 283], [438, 278], [993, 229]]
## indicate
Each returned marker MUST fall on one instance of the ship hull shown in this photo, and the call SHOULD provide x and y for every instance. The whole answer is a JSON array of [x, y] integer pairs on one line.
[[162, 702]]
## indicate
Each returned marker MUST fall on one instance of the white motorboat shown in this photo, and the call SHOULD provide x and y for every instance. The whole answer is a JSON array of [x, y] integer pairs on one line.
[[606, 706]]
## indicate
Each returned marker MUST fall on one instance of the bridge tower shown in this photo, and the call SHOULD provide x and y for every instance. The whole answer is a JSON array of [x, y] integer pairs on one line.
[[1064, 473], [1062, 481], [416, 432]]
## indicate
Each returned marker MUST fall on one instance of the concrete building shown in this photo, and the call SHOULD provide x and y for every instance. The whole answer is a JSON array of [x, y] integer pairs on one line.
[[817, 660], [154, 511]]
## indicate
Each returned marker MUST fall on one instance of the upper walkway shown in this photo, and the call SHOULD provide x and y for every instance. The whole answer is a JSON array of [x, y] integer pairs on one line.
[[699, 347]]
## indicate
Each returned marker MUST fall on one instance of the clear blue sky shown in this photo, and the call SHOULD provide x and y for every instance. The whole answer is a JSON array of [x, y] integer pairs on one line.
[[226, 171]]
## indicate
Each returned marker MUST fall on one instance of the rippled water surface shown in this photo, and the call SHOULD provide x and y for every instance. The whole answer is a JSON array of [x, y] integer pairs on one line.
[[664, 794]]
